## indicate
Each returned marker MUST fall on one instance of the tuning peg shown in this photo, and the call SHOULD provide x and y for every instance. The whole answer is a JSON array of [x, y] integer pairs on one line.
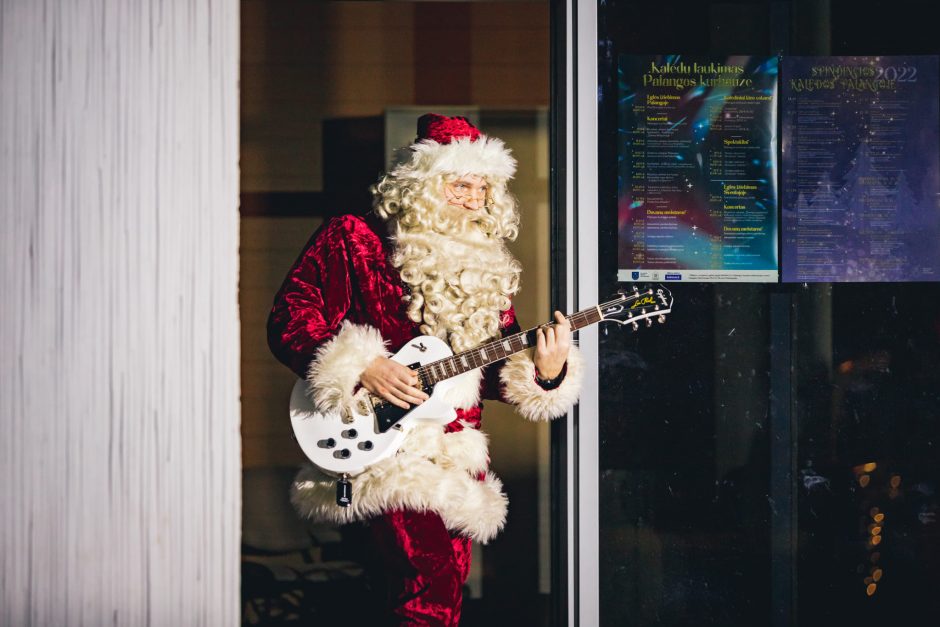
[[634, 325], [649, 322], [636, 290], [661, 318]]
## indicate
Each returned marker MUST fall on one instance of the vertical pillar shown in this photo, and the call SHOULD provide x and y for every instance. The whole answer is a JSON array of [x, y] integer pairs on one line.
[[119, 376]]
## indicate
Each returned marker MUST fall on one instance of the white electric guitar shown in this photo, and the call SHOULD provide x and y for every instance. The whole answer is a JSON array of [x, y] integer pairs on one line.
[[345, 445]]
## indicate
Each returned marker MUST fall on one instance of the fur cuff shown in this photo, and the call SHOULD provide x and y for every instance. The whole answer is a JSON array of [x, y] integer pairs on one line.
[[534, 403], [334, 372], [433, 471], [464, 391]]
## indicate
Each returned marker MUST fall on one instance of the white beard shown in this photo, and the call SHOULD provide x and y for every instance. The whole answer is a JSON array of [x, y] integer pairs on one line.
[[460, 283]]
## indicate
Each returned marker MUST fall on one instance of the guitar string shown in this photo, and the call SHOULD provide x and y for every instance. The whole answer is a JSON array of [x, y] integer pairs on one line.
[[426, 373], [494, 345]]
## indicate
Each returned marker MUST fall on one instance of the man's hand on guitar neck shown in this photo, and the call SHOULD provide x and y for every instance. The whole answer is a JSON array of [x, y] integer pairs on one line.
[[551, 347], [394, 382]]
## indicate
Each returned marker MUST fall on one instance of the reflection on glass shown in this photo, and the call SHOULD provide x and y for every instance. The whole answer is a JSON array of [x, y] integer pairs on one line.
[[869, 545], [684, 465], [712, 513]]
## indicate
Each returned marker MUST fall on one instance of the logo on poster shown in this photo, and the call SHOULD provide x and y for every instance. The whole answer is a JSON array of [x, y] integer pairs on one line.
[[635, 275]]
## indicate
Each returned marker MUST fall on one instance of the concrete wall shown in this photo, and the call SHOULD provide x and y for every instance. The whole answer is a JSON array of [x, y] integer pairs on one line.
[[119, 393]]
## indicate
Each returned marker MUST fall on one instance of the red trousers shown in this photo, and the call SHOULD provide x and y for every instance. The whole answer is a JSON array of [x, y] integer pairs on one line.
[[425, 567]]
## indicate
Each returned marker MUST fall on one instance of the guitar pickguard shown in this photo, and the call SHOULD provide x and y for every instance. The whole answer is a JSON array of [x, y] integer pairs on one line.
[[388, 415]]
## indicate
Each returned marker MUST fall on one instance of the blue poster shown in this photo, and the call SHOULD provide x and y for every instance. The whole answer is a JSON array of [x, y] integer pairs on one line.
[[697, 171], [861, 173]]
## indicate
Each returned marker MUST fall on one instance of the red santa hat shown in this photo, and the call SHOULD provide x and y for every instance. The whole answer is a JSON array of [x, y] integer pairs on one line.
[[452, 145]]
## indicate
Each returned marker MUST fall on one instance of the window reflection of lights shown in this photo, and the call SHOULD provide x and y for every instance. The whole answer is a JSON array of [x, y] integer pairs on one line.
[[875, 540], [870, 590], [863, 480], [875, 557], [876, 574], [875, 530], [895, 481], [870, 466], [878, 517], [874, 511]]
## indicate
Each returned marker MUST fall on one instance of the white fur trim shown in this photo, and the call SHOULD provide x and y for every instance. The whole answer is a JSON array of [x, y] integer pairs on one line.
[[335, 370], [433, 471], [487, 157], [465, 392], [533, 402]]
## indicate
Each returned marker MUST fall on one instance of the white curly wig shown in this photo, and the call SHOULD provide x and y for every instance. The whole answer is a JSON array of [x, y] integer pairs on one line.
[[454, 260]]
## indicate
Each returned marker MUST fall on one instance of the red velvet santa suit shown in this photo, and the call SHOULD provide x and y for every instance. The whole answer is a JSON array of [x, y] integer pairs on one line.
[[342, 305]]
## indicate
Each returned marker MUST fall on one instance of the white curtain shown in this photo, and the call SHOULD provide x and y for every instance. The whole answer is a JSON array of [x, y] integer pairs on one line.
[[119, 334]]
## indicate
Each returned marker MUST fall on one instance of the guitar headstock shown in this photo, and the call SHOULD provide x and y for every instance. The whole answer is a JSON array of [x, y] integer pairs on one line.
[[632, 305]]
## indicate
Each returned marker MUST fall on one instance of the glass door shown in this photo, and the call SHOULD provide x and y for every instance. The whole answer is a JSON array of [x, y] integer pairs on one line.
[[768, 456]]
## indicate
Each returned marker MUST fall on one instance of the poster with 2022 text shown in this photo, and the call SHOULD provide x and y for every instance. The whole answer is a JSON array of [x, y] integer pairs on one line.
[[860, 169]]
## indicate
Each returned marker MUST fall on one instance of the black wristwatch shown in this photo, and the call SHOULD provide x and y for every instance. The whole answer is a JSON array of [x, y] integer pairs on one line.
[[554, 382]]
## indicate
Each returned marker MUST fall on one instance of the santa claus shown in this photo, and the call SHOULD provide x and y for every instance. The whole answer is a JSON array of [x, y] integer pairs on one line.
[[430, 259]]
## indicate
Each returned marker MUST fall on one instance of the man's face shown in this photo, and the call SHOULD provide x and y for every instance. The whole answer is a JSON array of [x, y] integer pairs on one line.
[[468, 191]]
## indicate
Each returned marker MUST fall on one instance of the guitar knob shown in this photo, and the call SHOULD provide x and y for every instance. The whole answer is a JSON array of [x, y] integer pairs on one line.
[[366, 446], [661, 318], [342, 454], [350, 433], [634, 325], [327, 443]]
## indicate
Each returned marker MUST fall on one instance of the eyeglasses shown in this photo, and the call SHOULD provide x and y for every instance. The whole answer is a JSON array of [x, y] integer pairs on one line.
[[462, 192], [483, 199]]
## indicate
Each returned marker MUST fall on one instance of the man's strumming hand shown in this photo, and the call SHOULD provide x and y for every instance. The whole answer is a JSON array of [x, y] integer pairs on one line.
[[394, 382]]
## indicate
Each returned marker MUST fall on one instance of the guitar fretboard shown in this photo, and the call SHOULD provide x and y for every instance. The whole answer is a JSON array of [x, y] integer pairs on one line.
[[502, 348]]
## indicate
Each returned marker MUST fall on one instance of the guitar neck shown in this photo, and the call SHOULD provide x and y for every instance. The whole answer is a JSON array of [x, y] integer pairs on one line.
[[497, 350]]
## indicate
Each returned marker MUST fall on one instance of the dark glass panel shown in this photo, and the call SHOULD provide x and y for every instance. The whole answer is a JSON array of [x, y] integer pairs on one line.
[[711, 512], [868, 409]]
